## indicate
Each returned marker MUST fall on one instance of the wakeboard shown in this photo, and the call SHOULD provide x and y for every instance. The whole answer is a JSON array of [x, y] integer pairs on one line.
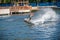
[[29, 22]]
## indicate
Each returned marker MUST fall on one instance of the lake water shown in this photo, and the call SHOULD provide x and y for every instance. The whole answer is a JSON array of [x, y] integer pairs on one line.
[[14, 27]]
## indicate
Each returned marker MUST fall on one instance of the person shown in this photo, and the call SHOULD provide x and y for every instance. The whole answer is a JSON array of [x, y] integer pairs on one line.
[[30, 16]]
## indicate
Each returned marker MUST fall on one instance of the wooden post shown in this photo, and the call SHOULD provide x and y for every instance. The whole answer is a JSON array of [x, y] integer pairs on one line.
[[10, 12]]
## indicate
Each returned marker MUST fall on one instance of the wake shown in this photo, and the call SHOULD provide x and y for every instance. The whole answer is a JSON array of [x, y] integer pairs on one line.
[[46, 16]]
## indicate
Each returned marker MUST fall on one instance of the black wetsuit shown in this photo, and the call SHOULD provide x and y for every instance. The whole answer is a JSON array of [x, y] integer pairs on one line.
[[30, 17]]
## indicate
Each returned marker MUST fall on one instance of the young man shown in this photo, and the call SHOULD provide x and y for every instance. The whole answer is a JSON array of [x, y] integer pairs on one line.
[[30, 16]]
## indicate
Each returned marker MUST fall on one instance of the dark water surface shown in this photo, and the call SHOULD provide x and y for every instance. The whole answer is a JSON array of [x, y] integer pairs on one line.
[[14, 28]]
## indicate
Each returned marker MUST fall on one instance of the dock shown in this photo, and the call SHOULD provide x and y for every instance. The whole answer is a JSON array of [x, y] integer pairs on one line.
[[14, 9], [20, 9], [10, 10]]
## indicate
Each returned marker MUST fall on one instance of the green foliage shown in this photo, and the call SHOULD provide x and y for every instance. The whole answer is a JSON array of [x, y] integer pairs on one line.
[[7, 1], [46, 0], [30, 1]]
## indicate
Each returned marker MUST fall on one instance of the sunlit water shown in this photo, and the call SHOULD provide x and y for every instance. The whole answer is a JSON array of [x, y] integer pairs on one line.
[[47, 26]]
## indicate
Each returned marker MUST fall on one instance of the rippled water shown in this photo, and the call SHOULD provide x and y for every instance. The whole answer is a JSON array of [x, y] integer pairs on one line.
[[14, 27]]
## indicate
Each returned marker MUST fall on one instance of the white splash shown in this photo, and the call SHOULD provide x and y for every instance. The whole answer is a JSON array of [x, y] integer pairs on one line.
[[48, 15]]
